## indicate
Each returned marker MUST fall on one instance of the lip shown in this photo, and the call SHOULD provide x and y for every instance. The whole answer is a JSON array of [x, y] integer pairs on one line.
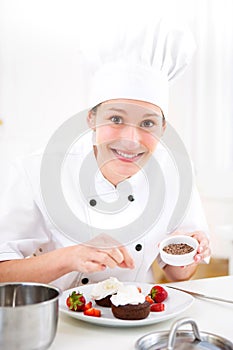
[[121, 157]]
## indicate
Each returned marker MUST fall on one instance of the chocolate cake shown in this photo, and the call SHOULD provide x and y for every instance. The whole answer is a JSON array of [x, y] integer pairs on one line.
[[131, 312], [106, 302], [104, 290]]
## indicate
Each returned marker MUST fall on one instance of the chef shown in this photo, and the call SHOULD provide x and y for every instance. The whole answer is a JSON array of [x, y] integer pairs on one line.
[[99, 205]]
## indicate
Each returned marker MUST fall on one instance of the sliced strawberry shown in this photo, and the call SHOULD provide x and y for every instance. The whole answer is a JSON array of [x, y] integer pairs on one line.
[[149, 299], [88, 305], [92, 312], [157, 307]]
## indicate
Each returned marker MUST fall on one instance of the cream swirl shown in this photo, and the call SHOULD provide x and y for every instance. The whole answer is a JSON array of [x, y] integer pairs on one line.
[[128, 294], [104, 288]]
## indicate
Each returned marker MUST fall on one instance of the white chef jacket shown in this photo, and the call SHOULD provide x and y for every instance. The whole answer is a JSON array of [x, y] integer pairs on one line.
[[27, 230]]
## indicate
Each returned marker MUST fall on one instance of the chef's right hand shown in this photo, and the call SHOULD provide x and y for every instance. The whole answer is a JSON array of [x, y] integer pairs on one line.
[[99, 253]]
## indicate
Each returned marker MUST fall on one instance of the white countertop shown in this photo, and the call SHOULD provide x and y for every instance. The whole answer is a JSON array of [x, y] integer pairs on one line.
[[210, 316]]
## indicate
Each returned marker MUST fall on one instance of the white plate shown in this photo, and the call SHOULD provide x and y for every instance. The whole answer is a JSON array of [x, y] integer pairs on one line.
[[175, 303]]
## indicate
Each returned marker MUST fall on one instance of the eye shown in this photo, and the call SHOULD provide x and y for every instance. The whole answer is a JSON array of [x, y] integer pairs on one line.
[[116, 119], [147, 123]]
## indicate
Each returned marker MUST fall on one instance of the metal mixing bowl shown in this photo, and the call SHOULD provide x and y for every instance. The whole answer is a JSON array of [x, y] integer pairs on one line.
[[28, 315]]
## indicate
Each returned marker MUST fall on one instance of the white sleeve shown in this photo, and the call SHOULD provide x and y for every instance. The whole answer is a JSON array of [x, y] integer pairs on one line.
[[22, 228]]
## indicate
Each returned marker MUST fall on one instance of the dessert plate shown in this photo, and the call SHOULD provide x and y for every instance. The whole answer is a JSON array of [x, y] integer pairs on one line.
[[176, 303]]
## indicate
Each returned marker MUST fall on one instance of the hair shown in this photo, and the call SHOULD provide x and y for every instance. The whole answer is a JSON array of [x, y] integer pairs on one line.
[[94, 109]]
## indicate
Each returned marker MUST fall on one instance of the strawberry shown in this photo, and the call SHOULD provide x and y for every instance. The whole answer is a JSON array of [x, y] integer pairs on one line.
[[92, 312], [76, 301], [87, 306], [157, 307], [158, 294], [149, 299]]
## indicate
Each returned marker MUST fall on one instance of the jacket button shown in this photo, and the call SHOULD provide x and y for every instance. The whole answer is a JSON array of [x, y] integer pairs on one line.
[[131, 198], [85, 280], [92, 202], [138, 247]]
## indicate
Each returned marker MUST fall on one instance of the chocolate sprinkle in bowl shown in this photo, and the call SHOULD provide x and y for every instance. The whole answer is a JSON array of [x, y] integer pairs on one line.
[[178, 250]]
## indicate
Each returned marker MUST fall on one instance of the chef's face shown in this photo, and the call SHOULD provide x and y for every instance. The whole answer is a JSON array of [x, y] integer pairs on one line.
[[127, 133]]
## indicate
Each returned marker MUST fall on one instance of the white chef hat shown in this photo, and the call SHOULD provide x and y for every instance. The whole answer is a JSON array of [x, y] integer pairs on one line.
[[142, 65]]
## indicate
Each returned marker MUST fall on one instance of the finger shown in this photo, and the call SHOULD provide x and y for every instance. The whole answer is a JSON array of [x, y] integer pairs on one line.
[[199, 235], [203, 246], [128, 261], [103, 258], [202, 240], [114, 254], [92, 266], [199, 257]]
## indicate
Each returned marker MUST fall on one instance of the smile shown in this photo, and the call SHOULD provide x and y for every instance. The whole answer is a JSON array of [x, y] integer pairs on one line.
[[126, 156]]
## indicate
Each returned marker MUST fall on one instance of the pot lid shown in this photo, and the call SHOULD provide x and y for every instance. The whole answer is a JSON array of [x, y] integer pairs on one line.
[[183, 339]]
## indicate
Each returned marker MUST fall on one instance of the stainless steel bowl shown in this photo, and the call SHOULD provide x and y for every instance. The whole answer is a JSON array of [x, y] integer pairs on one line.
[[28, 315]]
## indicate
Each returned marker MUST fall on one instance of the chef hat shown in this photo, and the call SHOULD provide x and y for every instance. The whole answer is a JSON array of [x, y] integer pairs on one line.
[[142, 64]]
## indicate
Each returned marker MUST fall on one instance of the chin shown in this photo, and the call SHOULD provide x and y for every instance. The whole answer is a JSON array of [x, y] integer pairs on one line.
[[123, 175]]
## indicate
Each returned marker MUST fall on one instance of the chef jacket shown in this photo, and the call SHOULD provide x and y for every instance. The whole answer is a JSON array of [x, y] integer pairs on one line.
[[27, 230]]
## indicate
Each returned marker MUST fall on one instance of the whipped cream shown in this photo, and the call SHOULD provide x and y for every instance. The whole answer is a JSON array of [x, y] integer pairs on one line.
[[128, 294], [107, 287]]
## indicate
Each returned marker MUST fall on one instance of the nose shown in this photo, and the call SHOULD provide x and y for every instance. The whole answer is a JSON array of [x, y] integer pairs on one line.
[[130, 137]]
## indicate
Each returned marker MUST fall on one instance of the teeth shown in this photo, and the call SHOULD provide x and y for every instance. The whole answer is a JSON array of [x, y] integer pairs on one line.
[[126, 155]]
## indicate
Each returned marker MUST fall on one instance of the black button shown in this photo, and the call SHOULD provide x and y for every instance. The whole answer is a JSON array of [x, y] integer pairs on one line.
[[92, 202], [138, 247], [131, 198], [85, 280]]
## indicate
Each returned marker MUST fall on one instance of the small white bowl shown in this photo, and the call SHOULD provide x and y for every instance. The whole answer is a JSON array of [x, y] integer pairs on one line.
[[178, 259]]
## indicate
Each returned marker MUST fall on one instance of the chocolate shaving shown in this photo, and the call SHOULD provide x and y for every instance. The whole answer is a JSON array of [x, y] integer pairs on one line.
[[178, 248]]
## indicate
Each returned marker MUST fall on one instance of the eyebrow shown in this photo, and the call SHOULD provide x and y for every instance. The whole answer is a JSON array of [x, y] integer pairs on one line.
[[154, 114], [117, 110]]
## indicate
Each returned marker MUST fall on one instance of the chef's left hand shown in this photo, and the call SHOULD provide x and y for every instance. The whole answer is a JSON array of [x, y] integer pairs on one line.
[[203, 250], [183, 273]]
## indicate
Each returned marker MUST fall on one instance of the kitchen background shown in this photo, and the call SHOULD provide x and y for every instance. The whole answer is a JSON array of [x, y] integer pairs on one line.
[[43, 82]]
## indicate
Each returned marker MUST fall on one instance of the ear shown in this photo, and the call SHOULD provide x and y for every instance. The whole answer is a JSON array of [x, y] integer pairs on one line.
[[164, 127], [91, 120]]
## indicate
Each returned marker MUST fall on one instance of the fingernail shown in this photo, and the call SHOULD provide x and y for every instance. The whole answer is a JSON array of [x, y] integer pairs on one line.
[[132, 266], [201, 249]]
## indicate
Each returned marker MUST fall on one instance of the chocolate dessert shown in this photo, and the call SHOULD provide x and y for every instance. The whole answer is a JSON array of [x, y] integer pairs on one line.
[[106, 302], [131, 312], [104, 290]]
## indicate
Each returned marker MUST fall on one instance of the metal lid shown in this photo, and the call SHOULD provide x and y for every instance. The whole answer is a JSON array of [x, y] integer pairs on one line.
[[183, 339]]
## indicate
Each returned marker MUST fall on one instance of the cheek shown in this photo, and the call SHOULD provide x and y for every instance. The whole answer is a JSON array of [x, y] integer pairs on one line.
[[105, 134], [150, 141]]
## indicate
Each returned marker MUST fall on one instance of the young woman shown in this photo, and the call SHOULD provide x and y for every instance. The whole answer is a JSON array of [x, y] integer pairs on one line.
[[127, 126]]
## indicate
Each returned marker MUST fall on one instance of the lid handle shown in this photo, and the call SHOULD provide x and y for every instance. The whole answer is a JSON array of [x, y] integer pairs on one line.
[[176, 325]]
